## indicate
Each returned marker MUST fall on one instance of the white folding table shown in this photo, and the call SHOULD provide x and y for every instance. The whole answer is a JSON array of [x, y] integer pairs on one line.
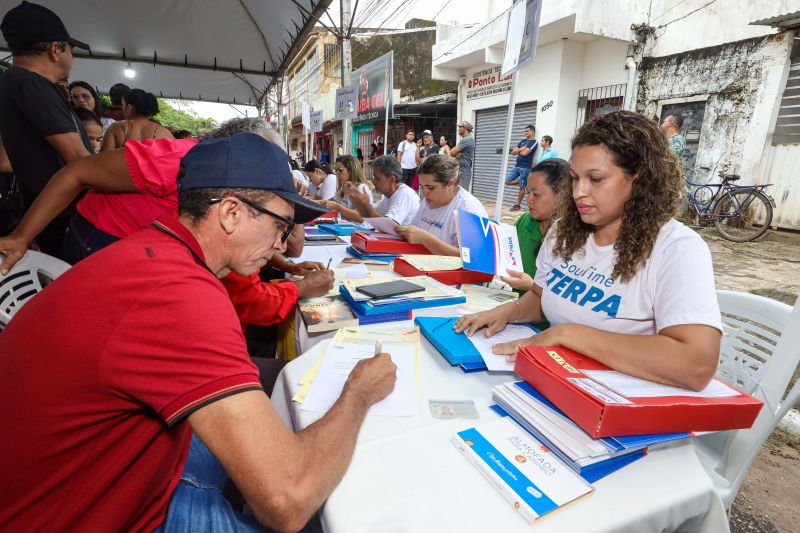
[[406, 476]]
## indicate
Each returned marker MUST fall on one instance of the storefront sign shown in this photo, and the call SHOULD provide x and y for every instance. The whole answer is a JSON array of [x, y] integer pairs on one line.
[[346, 103], [305, 115], [522, 35], [487, 82], [374, 90], [316, 121]]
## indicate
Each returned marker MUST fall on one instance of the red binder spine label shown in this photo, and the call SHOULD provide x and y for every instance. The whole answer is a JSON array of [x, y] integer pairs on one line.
[[602, 393]]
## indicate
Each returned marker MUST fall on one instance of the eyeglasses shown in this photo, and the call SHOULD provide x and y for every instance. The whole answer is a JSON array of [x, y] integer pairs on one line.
[[290, 224]]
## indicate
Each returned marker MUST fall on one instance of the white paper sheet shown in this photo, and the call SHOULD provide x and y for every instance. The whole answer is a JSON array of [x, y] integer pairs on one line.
[[339, 362], [383, 224], [484, 345], [632, 387], [427, 263]]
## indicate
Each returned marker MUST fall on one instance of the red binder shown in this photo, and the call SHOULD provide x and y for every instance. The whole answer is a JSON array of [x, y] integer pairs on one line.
[[557, 373], [448, 277], [331, 217], [371, 242]]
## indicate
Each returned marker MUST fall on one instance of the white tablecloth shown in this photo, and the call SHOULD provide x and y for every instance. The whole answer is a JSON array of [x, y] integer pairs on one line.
[[406, 476]]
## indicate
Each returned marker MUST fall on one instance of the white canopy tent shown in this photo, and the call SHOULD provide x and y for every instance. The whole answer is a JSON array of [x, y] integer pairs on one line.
[[212, 50]]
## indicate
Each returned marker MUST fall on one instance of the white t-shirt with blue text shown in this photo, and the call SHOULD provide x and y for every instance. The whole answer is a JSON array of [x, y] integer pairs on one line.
[[675, 286], [441, 221], [326, 189], [400, 206]]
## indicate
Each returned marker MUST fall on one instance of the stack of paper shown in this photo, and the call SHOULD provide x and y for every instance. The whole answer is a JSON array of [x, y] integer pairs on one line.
[[323, 384], [435, 294], [590, 457], [430, 263], [357, 271], [483, 299]]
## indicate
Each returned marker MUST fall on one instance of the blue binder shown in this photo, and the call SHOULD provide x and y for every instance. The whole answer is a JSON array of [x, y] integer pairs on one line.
[[341, 229], [355, 252], [363, 308], [590, 473]]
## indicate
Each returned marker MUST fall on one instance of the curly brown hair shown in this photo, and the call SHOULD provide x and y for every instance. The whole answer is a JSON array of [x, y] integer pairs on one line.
[[639, 148]]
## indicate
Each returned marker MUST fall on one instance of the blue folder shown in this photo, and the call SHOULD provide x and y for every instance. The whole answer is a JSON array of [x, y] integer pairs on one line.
[[363, 308], [590, 473], [455, 347], [355, 252], [341, 229]]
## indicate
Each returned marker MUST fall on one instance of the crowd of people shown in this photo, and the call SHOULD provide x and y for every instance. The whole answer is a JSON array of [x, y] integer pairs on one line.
[[132, 381]]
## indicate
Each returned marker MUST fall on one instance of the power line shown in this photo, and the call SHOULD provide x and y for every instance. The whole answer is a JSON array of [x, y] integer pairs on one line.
[[409, 5], [444, 6], [687, 14], [668, 10], [471, 35]]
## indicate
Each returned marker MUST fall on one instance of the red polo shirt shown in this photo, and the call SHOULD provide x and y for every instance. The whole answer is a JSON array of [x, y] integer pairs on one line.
[[97, 376]]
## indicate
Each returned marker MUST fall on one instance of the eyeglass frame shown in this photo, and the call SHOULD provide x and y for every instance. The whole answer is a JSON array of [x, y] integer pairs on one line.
[[290, 224]]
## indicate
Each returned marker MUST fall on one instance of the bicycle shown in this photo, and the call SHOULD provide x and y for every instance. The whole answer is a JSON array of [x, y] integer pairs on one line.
[[740, 213]]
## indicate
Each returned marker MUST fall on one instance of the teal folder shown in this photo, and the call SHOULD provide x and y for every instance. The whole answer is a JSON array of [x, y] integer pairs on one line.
[[455, 347]]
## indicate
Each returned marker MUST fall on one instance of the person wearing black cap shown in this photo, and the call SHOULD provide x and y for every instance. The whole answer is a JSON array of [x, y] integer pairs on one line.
[[38, 127], [156, 398]]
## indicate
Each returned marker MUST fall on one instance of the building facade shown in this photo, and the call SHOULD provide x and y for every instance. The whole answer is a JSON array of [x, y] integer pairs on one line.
[[728, 68]]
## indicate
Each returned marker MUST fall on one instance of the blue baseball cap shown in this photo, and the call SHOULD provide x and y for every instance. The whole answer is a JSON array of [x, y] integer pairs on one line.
[[245, 161]]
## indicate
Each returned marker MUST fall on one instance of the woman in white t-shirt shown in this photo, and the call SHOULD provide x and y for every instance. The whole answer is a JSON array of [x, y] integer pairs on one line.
[[617, 277], [349, 173], [322, 182], [434, 225]]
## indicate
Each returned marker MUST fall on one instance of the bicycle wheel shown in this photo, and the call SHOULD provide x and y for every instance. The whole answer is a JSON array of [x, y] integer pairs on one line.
[[743, 215]]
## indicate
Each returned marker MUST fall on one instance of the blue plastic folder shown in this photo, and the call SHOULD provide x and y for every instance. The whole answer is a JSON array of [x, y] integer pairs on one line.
[[341, 229], [355, 252], [364, 308], [455, 347], [590, 473]]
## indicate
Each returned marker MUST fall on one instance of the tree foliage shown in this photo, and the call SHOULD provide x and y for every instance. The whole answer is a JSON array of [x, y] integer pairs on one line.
[[176, 118]]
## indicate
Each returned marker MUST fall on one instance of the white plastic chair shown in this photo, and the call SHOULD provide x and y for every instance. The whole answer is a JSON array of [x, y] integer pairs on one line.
[[759, 354], [26, 279]]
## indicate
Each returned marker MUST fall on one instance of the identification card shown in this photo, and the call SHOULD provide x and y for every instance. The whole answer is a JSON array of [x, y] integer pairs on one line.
[[453, 409]]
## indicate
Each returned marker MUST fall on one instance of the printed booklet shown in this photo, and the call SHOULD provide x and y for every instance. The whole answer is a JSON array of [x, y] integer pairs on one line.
[[525, 471]]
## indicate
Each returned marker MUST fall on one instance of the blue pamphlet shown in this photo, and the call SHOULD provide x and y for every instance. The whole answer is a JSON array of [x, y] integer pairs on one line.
[[487, 245]]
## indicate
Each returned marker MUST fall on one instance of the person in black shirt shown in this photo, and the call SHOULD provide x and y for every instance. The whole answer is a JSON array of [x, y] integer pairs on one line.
[[40, 131]]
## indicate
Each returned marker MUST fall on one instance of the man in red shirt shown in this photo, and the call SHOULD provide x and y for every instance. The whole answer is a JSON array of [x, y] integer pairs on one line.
[[129, 188], [141, 339]]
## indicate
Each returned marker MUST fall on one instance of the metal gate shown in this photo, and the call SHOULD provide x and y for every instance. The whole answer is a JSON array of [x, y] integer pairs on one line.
[[490, 132]]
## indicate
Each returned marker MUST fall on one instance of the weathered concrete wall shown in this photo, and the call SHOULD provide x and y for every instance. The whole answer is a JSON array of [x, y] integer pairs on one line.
[[691, 24], [742, 81]]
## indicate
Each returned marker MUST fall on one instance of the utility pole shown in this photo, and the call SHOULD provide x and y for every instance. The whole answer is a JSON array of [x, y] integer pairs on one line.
[[347, 65]]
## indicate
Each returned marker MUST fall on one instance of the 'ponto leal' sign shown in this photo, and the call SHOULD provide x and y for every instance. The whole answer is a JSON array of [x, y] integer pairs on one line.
[[487, 82]]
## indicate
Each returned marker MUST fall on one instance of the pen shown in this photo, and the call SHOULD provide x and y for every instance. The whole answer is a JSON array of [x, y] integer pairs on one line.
[[329, 264], [378, 347]]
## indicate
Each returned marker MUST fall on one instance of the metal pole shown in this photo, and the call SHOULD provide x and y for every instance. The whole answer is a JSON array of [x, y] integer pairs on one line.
[[389, 103], [347, 67], [504, 165]]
